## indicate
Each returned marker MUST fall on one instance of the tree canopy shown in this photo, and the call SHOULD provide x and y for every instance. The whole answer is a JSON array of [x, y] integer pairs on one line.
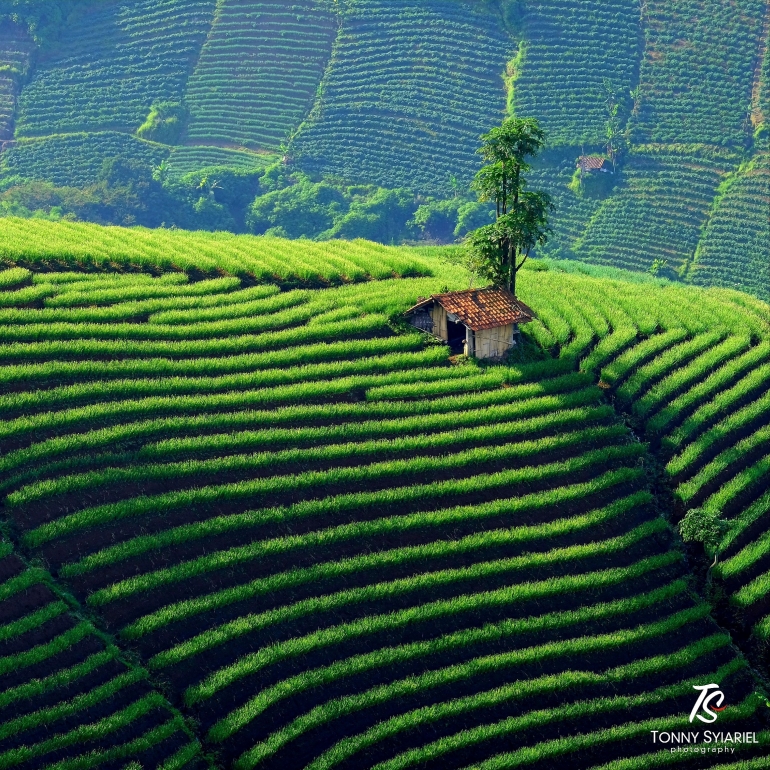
[[496, 252]]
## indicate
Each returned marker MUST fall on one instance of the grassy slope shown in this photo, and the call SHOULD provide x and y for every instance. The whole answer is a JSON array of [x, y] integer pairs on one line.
[[333, 545]]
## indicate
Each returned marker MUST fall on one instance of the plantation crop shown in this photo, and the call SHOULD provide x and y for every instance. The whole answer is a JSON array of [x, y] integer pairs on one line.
[[77, 244], [659, 209], [185, 160], [107, 72], [739, 226], [563, 85], [697, 71], [276, 73], [15, 52], [76, 159], [334, 545], [68, 698], [408, 81], [362, 115]]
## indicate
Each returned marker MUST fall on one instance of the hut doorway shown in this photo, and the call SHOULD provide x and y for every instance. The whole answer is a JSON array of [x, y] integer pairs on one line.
[[456, 336]]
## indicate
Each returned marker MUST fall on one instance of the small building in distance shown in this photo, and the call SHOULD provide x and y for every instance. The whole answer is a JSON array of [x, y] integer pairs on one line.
[[478, 322], [594, 164]]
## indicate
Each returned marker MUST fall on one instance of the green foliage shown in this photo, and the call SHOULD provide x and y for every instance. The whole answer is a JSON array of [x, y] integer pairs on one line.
[[410, 87], [561, 84], [284, 477], [298, 207], [302, 209], [733, 250], [382, 217], [702, 526], [44, 19], [697, 71], [112, 64], [274, 90], [165, 123], [522, 215]]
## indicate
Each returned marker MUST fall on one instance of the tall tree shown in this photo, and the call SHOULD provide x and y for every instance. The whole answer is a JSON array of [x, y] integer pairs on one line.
[[498, 251]]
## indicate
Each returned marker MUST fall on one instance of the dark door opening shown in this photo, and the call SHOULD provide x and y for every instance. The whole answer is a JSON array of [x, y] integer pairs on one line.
[[456, 334]]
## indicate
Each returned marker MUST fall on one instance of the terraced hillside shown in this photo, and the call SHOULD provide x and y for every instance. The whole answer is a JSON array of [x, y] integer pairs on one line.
[[334, 546], [68, 697], [569, 50], [367, 93], [115, 62], [658, 210], [408, 81], [185, 160], [77, 159], [740, 224], [698, 70], [258, 71], [15, 51]]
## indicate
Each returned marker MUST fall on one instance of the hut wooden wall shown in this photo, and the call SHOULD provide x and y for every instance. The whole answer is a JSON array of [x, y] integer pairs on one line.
[[493, 343], [439, 322]]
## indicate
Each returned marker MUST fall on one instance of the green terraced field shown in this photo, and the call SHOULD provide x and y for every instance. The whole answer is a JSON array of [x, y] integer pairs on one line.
[[114, 62], [76, 159], [336, 547], [658, 210], [258, 71], [184, 160], [395, 94], [68, 697], [39, 243], [697, 70], [569, 50], [740, 225], [408, 81], [15, 50]]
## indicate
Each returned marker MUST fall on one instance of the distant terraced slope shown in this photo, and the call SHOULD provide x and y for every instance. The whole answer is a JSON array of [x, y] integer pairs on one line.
[[258, 71], [735, 249], [15, 51], [698, 70], [397, 94], [569, 50], [340, 550], [659, 208], [76, 160], [112, 64], [410, 88]]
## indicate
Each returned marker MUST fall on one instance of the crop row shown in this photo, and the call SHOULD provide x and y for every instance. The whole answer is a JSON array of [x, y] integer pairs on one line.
[[52, 716], [697, 71], [408, 79], [79, 244], [76, 159], [409, 554], [568, 50], [258, 71], [112, 64], [657, 211], [739, 227]]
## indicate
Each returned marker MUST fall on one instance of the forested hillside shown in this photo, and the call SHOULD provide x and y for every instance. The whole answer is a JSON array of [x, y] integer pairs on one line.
[[348, 118]]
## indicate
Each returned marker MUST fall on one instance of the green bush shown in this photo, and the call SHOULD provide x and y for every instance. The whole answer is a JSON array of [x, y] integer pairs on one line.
[[165, 123]]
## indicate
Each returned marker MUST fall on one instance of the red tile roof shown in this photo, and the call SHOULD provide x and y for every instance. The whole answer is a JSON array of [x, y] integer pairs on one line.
[[481, 309], [591, 162]]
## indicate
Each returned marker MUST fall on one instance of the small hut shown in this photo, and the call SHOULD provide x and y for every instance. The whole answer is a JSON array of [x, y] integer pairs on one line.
[[594, 164], [479, 322]]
